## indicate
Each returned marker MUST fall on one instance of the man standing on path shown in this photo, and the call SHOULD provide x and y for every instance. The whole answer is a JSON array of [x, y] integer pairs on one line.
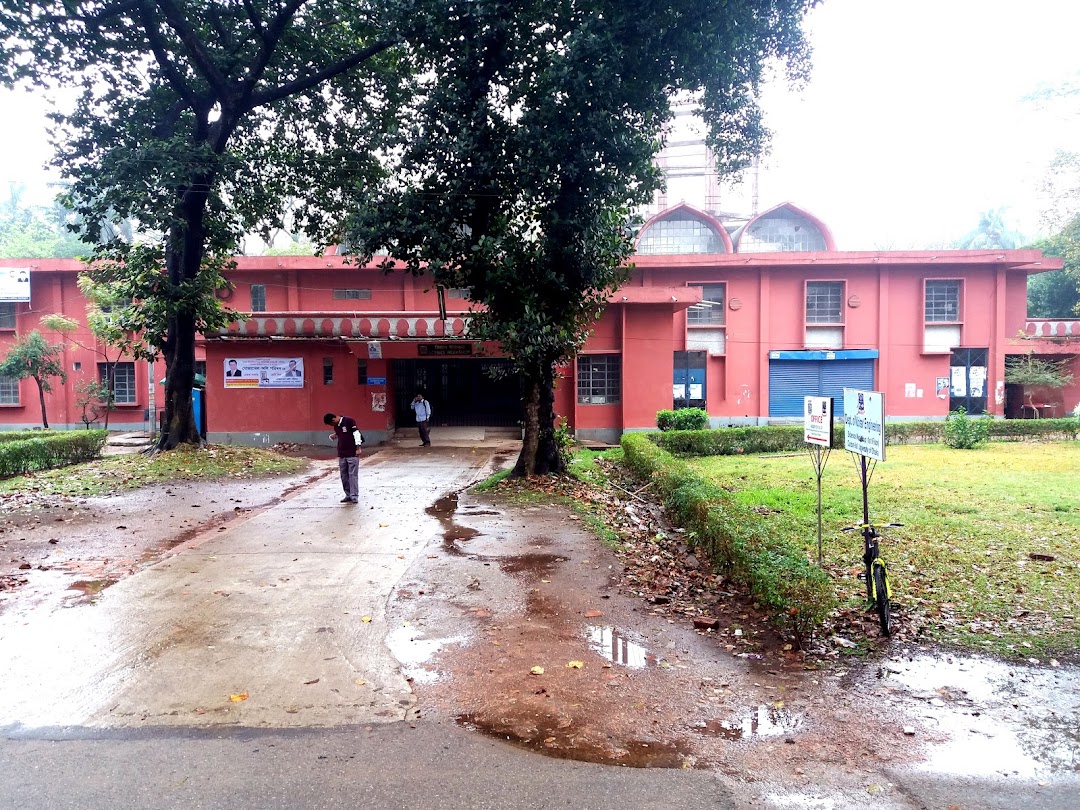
[[422, 408], [348, 451]]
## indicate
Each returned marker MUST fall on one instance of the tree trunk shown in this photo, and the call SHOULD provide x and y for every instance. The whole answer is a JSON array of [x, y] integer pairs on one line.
[[183, 260], [41, 399], [539, 451]]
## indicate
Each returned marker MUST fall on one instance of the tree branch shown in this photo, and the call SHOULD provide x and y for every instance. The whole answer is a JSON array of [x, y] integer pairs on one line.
[[315, 79], [195, 47], [171, 72]]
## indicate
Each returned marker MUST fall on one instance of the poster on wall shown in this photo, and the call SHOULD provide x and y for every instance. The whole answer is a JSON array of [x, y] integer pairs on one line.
[[264, 372], [942, 387], [378, 403], [15, 284]]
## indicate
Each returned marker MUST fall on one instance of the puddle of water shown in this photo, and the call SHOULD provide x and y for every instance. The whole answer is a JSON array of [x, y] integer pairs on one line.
[[617, 648], [414, 653], [544, 736], [531, 566], [762, 721], [444, 510], [91, 588], [1000, 718]]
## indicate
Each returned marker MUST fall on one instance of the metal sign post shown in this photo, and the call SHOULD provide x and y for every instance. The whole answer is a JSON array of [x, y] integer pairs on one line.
[[818, 435]]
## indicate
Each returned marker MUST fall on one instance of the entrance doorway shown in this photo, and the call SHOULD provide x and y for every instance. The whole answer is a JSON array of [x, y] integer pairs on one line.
[[478, 392]]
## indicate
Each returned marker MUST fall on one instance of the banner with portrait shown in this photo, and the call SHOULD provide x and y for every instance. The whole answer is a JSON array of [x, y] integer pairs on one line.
[[264, 372]]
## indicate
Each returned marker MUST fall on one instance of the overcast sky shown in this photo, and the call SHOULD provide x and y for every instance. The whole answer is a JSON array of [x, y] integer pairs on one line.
[[914, 119]]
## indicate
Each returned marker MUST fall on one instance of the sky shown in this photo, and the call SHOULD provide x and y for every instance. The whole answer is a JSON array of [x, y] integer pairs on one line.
[[914, 119]]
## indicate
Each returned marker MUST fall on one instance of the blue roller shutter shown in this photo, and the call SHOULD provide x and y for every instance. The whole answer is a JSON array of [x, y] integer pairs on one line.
[[794, 375]]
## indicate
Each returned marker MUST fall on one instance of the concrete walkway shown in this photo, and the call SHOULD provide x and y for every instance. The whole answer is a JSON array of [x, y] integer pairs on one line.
[[276, 620]]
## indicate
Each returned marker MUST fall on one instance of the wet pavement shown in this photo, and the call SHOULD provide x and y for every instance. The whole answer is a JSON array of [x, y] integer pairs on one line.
[[271, 608]]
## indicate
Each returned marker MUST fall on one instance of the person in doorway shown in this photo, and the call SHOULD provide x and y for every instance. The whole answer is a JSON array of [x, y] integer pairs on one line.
[[348, 438], [234, 370], [422, 408]]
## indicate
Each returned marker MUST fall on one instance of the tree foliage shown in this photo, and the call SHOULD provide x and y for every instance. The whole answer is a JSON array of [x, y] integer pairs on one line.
[[35, 231], [34, 357], [533, 140], [196, 120], [1057, 294]]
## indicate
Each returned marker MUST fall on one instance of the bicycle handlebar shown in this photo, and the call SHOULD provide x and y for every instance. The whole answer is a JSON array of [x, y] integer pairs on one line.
[[864, 526]]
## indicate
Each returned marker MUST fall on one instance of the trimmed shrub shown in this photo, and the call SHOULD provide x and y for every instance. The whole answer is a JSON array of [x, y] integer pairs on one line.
[[739, 540], [49, 449], [963, 432], [682, 419]]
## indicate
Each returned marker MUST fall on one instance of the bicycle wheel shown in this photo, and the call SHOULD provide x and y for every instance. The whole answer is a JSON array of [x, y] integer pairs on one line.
[[881, 600]]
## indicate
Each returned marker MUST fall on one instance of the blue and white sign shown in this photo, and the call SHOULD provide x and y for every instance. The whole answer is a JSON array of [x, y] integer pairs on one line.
[[864, 423]]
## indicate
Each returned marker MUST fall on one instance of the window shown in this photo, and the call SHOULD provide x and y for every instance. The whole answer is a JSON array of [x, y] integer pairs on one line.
[[258, 298], [361, 372], [458, 292], [942, 301], [599, 379], [9, 391], [352, 295], [680, 233], [122, 382], [824, 300], [711, 309], [7, 314], [782, 230], [327, 370]]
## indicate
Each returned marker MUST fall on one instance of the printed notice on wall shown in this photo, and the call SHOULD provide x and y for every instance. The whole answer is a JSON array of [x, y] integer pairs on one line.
[[264, 372], [378, 402], [864, 423]]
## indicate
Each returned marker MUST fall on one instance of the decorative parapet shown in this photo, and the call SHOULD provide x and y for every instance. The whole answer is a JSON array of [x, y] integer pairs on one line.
[[1062, 328], [354, 326]]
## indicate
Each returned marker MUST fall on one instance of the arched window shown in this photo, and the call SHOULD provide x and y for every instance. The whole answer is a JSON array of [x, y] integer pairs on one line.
[[782, 230], [681, 231]]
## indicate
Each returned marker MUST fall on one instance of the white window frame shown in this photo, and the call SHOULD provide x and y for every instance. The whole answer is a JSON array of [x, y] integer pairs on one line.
[[595, 383], [9, 391]]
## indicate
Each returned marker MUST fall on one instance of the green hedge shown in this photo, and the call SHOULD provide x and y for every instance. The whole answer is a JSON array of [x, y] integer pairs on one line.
[[48, 449], [20, 435], [789, 438], [682, 419], [740, 541]]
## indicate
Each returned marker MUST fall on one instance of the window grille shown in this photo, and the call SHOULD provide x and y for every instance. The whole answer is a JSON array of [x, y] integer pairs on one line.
[[942, 301], [258, 298], [676, 235], [7, 314], [327, 370], [711, 309], [9, 391], [782, 231], [122, 383], [599, 379], [361, 372], [824, 301]]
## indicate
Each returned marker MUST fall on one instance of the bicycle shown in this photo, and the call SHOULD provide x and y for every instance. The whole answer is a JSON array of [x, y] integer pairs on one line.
[[877, 575]]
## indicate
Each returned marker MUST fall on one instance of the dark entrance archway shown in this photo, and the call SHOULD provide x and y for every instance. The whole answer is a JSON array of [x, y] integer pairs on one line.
[[475, 392]]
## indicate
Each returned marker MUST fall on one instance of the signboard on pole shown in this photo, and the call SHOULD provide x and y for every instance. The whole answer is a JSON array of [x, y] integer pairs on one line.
[[864, 423], [818, 421]]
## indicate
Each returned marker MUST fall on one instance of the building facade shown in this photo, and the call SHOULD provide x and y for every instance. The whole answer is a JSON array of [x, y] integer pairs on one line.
[[742, 322]]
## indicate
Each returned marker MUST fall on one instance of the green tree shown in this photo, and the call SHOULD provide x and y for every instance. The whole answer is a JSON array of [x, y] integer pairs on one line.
[[994, 232], [196, 120], [534, 141], [34, 232], [1057, 294], [32, 356]]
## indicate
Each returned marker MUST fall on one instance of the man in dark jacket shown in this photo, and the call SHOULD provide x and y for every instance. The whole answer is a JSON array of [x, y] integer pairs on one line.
[[348, 440]]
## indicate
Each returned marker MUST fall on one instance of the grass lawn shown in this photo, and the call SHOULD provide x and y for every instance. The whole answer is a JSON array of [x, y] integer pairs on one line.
[[115, 473], [961, 567]]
